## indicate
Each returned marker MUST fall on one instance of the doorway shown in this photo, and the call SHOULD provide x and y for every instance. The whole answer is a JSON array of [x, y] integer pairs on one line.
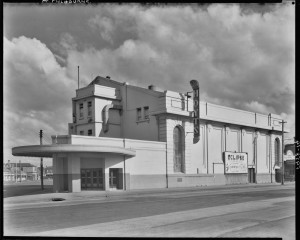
[[251, 175], [92, 179], [116, 178]]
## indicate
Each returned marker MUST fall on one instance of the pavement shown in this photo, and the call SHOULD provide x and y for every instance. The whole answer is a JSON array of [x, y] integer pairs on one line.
[[238, 220], [47, 199], [244, 210]]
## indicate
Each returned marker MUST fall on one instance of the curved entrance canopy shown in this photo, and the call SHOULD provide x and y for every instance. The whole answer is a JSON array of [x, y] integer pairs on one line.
[[49, 150]]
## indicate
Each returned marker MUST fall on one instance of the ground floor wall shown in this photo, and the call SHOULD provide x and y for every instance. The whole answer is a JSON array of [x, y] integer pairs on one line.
[[194, 180], [152, 166]]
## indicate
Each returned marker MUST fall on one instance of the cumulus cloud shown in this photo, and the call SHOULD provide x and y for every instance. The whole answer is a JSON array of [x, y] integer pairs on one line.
[[242, 58], [104, 26], [37, 93], [255, 106], [237, 56]]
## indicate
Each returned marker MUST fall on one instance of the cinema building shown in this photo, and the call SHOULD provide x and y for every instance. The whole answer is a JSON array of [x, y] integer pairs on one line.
[[128, 137]]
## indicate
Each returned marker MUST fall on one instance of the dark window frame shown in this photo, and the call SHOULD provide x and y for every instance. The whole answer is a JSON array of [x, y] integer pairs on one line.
[[90, 108], [139, 114], [81, 110], [146, 112], [178, 149]]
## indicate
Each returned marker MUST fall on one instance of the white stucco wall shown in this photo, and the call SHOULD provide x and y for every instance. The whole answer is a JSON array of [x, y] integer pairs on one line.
[[232, 139], [134, 98], [198, 153], [215, 149], [150, 157], [247, 145], [262, 155], [92, 161]]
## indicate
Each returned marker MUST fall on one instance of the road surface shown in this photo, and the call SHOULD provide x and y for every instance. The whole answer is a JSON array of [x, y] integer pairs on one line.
[[253, 211]]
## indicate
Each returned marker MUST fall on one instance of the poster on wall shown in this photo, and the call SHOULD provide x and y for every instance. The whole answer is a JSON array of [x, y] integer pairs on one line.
[[236, 162]]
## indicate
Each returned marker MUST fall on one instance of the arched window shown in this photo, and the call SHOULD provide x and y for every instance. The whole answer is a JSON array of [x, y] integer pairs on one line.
[[178, 140], [277, 151]]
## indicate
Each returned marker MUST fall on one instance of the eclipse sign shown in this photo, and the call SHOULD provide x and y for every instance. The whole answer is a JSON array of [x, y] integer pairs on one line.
[[195, 87], [236, 162]]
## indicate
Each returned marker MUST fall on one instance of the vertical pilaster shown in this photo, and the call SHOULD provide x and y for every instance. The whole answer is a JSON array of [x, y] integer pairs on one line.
[[74, 181], [106, 175], [188, 129], [59, 173], [205, 148], [55, 174]]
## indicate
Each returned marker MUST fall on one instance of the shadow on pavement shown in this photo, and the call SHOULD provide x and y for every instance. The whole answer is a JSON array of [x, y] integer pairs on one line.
[[19, 189]]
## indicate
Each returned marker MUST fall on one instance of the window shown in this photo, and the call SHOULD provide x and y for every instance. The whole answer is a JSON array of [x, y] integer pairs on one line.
[[89, 108], [81, 132], [81, 110], [178, 152], [277, 151], [146, 112], [90, 132], [139, 114]]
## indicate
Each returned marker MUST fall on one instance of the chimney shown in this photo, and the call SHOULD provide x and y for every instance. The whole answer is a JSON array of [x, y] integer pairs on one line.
[[152, 87]]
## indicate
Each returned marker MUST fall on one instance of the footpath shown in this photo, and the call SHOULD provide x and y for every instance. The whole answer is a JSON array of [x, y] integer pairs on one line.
[[63, 199]]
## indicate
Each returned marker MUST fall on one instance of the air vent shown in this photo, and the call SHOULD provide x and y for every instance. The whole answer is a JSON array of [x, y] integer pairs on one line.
[[152, 87]]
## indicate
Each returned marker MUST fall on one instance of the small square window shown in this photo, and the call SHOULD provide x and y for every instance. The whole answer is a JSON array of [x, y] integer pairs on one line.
[[81, 132], [90, 132], [146, 112], [139, 114]]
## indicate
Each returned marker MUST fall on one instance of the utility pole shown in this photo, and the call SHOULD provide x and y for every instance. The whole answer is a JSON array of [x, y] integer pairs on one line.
[[16, 171], [20, 171], [78, 76], [282, 151], [41, 143]]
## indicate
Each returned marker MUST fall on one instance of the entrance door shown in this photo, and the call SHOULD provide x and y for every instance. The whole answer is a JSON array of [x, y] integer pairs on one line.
[[115, 178], [278, 175], [92, 179], [251, 175]]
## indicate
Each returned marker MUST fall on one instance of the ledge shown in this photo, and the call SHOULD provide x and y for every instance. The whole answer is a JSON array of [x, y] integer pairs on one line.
[[49, 150]]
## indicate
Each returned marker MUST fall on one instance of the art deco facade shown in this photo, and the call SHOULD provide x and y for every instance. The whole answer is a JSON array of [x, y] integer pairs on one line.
[[128, 137]]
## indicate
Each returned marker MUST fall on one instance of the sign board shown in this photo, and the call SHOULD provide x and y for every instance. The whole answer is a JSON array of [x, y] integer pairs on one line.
[[236, 162], [195, 86]]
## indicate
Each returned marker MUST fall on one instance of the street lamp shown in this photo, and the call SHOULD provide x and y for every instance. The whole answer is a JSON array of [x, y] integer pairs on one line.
[[187, 94]]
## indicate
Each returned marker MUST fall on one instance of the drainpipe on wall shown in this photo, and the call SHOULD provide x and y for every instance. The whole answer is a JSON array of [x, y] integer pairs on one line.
[[167, 180], [256, 135], [207, 147], [105, 115], [124, 166], [225, 137], [270, 155]]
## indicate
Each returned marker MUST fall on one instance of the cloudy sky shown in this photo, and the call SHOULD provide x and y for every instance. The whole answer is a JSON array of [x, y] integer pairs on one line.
[[243, 56]]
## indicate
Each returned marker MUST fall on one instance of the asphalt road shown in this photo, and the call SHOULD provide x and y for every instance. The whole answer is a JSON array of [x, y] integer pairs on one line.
[[250, 212]]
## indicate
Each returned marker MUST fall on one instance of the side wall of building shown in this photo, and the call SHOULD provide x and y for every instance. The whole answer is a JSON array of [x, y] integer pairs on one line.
[[148, 168], [133, 99], [204, 163]]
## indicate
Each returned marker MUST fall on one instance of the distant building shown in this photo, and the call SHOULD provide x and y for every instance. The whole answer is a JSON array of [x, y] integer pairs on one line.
[[129, 137], [289, 162], [11, 170], [47, 172]]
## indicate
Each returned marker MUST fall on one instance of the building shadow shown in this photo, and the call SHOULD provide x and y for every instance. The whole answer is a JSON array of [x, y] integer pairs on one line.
[[21, 189]]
